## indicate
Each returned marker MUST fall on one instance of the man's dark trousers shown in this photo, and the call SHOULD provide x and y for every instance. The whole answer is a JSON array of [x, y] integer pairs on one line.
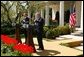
[[39, 38]]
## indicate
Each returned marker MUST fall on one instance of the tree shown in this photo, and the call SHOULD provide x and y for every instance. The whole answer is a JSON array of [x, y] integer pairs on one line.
[[6, 8], [10, 9]]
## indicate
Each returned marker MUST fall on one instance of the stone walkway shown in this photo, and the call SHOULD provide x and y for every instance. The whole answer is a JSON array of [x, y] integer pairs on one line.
[[72, 37], [53, 47]]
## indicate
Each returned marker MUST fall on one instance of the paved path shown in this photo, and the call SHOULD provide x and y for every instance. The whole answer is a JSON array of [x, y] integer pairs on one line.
[[53, 48]]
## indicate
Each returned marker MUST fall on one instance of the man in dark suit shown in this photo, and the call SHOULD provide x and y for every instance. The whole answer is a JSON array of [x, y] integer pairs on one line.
[[25, 25], [39, 22], [28, 31]]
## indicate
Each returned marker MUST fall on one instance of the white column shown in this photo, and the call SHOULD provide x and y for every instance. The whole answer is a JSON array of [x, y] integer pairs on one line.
[[42, 13], [78, 13], [53, 13], [47, 16], [61, 20], [81, 15]]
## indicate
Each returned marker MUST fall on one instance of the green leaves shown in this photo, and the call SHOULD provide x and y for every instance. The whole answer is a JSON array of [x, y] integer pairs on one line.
[[9, 9], [49, 34]]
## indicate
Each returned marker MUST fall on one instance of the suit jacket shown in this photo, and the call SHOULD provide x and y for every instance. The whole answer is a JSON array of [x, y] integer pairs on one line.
[[25, 22], [39, 24]]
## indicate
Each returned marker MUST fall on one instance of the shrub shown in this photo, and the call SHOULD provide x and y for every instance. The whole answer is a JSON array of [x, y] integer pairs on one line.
[[61, 29], [70, 29], [45, 29], [52, 26], [67, 29], [50, 34], [7, 30], [56, 32], [64, 29]]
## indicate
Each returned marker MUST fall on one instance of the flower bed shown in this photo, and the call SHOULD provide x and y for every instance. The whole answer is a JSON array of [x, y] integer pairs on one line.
[[11, 47]]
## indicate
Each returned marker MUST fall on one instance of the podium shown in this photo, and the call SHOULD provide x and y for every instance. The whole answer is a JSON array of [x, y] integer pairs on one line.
[[29, 39]]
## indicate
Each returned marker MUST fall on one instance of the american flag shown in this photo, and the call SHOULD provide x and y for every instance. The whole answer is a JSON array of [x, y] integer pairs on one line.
[[72, 19]]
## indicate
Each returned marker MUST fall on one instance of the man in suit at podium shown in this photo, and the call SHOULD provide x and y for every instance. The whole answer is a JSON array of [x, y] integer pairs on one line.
[[28, 31]]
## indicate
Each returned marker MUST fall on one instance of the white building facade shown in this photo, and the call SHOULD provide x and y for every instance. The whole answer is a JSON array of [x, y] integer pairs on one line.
[[62, 6]]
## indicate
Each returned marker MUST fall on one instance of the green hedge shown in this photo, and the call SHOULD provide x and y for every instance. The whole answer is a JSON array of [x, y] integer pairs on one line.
[[60, 30], [48, 31], [49, 34], [56, 32], [45, 29], [64, 30], [7, 30]]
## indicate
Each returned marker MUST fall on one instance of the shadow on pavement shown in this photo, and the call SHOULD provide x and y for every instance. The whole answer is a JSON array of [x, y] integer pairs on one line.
[[48, 53]]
